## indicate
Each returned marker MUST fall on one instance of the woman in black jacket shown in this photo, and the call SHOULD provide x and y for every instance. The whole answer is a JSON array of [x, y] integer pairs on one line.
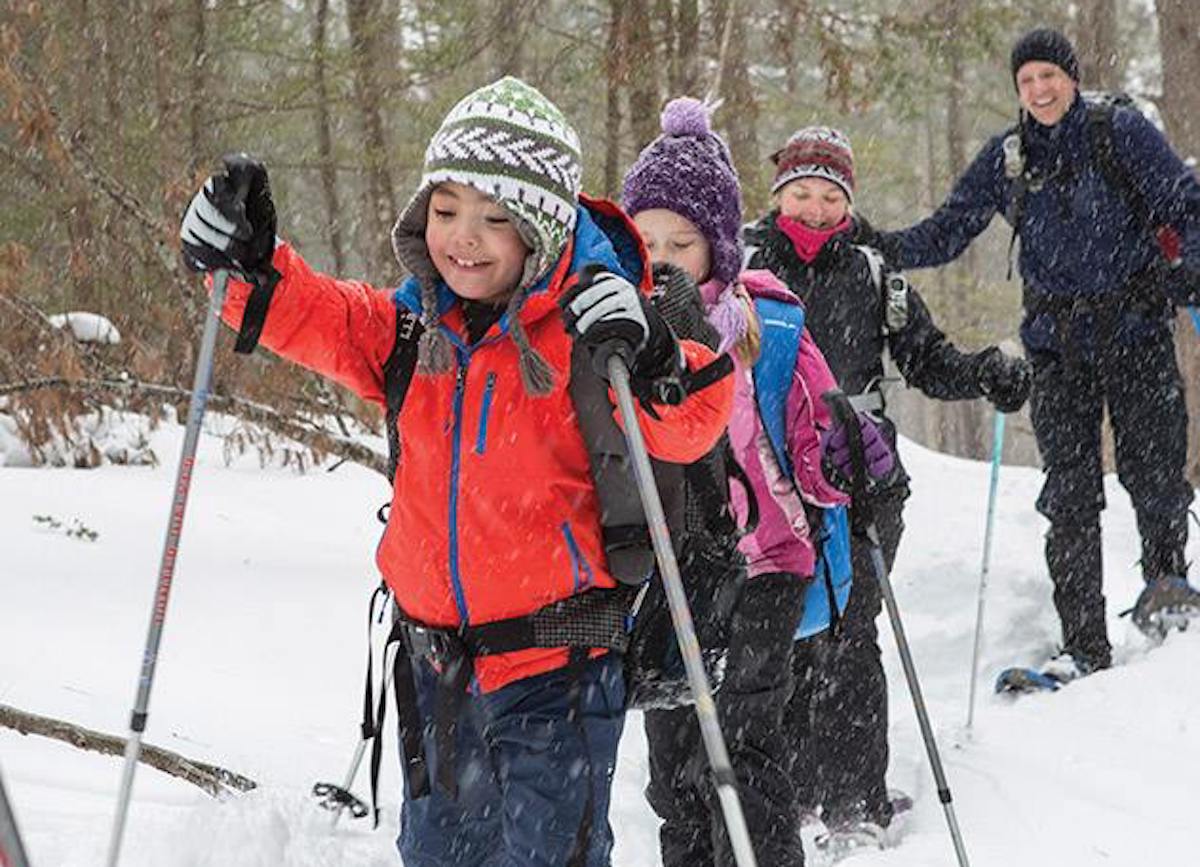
[[857, 309]]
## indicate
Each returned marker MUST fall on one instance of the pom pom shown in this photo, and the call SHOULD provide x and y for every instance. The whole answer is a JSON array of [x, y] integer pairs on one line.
[[686, 116]]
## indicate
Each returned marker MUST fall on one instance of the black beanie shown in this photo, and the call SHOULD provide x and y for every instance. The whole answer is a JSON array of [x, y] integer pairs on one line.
[[1046, 45]]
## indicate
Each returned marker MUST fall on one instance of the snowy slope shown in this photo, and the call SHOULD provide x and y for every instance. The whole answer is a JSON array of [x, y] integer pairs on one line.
[[264, 648]]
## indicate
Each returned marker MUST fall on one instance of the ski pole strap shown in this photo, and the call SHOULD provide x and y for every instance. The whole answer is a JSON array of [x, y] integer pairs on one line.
[[367, 726], [860, 511], [255, 314]]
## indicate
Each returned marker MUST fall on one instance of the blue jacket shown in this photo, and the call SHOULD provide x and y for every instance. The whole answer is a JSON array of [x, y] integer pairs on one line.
[[1078, 237]]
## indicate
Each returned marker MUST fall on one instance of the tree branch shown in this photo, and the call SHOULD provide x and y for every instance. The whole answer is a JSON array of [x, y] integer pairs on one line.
[[211, 778], [299, 430]]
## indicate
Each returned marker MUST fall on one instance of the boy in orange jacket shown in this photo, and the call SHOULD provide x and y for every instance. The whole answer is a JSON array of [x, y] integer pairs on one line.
[[494, 536]]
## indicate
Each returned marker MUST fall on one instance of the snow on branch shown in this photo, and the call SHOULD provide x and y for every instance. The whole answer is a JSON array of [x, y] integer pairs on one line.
[[87, 327], [307, 434]]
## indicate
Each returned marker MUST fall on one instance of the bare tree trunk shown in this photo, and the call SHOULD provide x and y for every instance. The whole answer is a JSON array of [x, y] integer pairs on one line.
[[366, 28], [643, 74], [614, 75], [1100, 66], [508, 43], [198, 89], [961, 423], [1179, 43], [740, 112], [687, 50], [325, 157]]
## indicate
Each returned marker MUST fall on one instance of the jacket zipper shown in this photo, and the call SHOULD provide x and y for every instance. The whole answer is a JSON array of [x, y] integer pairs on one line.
[[460, 381]]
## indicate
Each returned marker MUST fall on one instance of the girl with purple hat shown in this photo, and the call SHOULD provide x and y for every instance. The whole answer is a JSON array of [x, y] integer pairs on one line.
[[684, 196]]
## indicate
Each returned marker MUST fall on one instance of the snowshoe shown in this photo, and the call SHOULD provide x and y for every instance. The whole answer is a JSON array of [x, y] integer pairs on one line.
[[1062, 668], [1164, 604]]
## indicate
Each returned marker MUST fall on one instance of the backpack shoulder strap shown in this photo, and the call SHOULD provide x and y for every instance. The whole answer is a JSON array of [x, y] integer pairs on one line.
[[874, 262], [397, 376], [782, 328], [1100, 136]]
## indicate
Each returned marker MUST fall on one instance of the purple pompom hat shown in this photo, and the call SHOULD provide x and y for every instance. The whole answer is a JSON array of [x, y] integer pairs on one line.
[[688, 170]]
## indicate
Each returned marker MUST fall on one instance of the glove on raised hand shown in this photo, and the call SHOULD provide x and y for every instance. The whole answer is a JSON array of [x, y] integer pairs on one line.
[[230, 223], [836, 458], [604, 307], [1005, 379]]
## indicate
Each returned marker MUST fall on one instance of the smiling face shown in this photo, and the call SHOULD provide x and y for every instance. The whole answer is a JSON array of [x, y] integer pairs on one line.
[[1045, 91], [815, 202], [474, 243], [675, 239]]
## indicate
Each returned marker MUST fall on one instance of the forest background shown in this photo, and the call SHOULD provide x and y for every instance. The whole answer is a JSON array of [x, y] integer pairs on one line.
[[113, 111]]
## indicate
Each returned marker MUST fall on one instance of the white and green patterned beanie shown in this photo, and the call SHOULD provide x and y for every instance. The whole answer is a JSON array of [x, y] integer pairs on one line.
[[511, 143]]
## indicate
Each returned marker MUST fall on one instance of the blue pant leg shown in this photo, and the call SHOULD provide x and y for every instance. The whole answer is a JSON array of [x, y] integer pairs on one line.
[[555, 749], [439, 831]]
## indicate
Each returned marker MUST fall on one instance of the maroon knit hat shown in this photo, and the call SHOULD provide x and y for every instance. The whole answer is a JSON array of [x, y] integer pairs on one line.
[[815, 152]]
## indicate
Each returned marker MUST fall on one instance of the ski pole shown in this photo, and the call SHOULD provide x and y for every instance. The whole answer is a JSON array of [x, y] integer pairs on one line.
[[166, 570], [863, 525], [12, 851], [681, 616], [997, 448]]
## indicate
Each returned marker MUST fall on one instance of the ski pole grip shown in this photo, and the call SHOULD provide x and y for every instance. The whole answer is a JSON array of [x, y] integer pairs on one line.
[[608, 349]]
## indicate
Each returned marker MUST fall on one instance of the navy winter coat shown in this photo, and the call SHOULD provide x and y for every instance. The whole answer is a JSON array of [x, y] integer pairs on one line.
[[1078, 237]]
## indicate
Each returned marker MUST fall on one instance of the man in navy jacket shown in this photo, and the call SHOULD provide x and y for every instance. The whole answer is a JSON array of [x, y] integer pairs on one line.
[[1098, 326]]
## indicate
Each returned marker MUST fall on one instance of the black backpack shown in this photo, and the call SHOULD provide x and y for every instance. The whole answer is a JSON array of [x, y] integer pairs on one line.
[[704, 538]]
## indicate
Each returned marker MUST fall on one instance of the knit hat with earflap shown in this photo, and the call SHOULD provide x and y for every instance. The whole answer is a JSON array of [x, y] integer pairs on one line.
[[511, 143], [688, 170], [815, 152], [1048, 46]]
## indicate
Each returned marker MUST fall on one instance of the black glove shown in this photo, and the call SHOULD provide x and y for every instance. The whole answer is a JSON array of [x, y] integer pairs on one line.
[[607, 311], [230, 223], [1005, 379]]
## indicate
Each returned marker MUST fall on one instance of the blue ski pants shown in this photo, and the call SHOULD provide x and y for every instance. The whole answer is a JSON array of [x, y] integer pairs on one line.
[[535, 762]]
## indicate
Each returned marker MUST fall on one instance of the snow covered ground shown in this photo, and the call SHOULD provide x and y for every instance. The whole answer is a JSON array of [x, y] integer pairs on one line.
[[262, 660]]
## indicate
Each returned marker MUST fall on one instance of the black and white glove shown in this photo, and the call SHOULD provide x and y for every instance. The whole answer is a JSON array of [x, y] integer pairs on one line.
[[608, 314], [230, 223], [1005, 379]]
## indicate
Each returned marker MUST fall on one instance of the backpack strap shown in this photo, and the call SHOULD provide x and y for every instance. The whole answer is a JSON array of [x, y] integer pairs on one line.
[[1015, 171], [397, 376], [782, 327], [1100, 136], [597, 618]]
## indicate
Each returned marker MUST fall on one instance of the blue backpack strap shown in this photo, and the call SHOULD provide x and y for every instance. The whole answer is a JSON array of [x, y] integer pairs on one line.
[[782, 329], [782, 326]]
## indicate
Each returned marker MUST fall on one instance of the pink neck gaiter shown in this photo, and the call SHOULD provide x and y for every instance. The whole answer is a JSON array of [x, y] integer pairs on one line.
[[808, 242]]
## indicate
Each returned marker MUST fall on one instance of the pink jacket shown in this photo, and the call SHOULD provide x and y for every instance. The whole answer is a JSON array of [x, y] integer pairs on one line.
[[782, 542]]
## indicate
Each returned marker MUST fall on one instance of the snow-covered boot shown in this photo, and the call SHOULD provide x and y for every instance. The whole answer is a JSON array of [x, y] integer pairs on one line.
[[1166, 603], [1066, 666], [852, 838]]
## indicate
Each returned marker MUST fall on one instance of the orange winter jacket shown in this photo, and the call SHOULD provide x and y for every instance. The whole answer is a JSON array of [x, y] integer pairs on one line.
[[493, 514]]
